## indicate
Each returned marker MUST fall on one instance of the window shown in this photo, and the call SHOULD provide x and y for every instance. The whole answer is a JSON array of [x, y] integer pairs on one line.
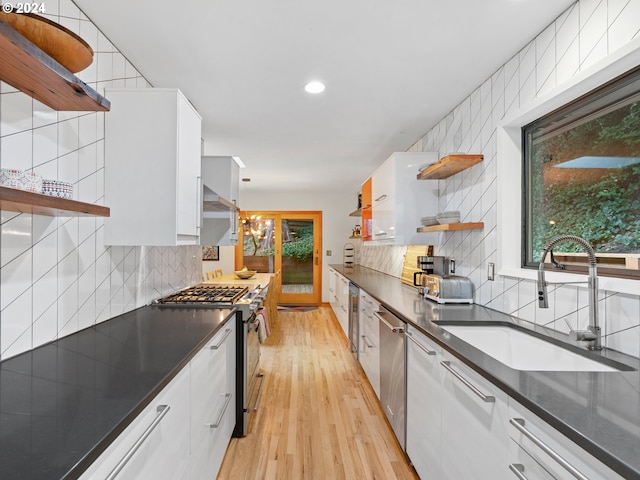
[[582, 177]]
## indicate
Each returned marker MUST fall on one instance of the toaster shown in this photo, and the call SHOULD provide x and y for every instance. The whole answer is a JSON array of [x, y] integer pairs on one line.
[[448, 289]]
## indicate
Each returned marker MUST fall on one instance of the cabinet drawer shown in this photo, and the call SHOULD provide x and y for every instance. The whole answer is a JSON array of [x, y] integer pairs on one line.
[[164, 452], [424, 405], [370, 342], [474, 431], [556, 453], [523, 466], [368, 302], [209, 380], [208, 453]]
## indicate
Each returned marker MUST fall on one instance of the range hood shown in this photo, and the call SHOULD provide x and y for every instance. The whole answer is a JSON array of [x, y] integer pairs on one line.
[[212, 202], [220, 190]]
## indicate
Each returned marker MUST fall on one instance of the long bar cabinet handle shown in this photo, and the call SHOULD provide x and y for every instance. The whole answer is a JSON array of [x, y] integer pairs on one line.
[[161, 411], [419, 345], [218, 421], [519, 424], [518, 471], [381, 197], [485, 398], [200, 194], [227, 333]]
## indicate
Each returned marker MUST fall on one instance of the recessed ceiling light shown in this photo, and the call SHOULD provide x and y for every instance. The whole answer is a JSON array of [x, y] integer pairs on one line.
[[314, 87]]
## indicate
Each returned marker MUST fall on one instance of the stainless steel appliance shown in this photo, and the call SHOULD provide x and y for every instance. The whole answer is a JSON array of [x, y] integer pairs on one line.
[[448, 289], [354, 293], [247, 303], [431, 265], [392, 371]]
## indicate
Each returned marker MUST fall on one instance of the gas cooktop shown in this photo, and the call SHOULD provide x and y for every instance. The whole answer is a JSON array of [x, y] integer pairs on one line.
[[205, 295]]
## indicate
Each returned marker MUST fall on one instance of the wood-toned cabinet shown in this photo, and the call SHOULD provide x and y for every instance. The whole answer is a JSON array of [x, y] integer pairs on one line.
[[152, 168], [367, 209]]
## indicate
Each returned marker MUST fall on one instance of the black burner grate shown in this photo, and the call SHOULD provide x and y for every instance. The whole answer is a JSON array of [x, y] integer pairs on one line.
[[210, 295]]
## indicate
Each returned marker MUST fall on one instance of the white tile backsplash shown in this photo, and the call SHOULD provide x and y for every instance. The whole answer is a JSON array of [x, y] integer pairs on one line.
[[15, 113], [57, 276], [586, 33]]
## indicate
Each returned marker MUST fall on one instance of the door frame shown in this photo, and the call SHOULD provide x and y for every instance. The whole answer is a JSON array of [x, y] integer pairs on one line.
[[314, 298]]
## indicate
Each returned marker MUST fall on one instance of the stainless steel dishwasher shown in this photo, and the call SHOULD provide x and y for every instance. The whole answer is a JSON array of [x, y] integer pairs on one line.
[[392, 371]]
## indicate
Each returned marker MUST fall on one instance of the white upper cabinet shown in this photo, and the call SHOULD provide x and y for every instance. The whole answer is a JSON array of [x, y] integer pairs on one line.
[[221, 184], [400, 200], [152, 168]]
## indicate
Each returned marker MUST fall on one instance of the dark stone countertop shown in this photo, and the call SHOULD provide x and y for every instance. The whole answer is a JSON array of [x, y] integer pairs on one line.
[[598, 411], [63, 403]]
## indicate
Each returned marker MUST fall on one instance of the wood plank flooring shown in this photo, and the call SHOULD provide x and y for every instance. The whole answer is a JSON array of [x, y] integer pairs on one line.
[[319, 418]]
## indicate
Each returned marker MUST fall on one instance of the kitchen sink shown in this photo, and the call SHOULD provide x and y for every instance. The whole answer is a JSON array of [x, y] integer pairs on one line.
[[523, 349]]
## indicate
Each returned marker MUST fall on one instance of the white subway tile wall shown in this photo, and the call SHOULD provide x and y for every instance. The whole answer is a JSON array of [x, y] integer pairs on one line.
[[56, 274], [586, 33]]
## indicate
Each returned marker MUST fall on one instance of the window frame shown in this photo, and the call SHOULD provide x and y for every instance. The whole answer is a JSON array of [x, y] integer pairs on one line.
[[609, 96]]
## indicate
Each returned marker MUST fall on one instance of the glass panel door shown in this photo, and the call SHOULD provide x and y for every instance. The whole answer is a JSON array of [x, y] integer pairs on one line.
[[297, 256], [285, 242], [259, 243]]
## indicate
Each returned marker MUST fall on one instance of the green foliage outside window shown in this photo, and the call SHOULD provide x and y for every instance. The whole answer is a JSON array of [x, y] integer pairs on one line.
[[601, 205]]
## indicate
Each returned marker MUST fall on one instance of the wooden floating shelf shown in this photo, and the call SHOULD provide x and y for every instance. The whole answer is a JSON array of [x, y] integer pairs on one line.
[[32, 71], [449, 227], [14, 200], [449, 165]]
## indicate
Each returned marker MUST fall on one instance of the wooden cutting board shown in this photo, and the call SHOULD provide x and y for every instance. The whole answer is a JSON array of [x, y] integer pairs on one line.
[[410, 265]]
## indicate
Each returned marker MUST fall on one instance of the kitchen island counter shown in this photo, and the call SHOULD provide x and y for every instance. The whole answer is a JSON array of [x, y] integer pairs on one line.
[[63, 403], [258, 280], [598, 411]]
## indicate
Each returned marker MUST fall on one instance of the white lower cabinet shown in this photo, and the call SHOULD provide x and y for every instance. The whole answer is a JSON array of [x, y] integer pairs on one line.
[[548, 449], [184, 432], [163, 432], [424, 404], [523, 466], [474, 424], [339, 291], [369, 345], [212, 403]]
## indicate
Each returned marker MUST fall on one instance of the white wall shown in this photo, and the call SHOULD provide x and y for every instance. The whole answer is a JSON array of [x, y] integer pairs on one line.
[[336, 223], [226, 262], [589, 34], [57, 276]]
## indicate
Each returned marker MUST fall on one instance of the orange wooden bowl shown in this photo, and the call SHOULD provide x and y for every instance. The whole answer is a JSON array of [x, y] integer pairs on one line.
[[60, 43]]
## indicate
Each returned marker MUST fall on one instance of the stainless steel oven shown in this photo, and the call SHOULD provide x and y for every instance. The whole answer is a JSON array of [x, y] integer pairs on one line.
[[249, 374], [247, 304]]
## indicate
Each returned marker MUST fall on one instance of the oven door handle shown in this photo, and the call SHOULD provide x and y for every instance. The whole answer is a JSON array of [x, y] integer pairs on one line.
[[261, 377]]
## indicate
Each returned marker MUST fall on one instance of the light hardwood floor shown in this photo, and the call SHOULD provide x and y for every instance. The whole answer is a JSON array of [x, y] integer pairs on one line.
[[319, 418]]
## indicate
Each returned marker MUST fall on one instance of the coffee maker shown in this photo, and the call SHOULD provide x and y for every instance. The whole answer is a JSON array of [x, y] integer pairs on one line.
[[429, 265]]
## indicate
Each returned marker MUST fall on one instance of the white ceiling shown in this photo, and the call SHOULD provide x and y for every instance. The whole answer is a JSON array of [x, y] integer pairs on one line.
[[392, 70]]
